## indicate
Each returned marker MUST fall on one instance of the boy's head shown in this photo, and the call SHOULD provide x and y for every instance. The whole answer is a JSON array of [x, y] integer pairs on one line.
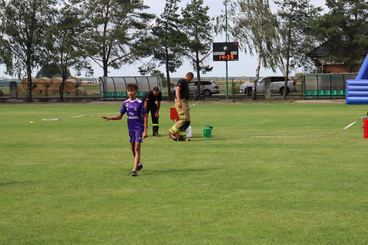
[[132, 90], [132, 86]]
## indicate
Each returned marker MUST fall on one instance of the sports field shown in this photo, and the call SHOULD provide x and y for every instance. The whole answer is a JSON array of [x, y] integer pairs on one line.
[[273, 173]]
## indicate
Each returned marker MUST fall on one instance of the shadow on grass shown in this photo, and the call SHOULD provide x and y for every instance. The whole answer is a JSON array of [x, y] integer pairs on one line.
[[199, 139], [12, 183], [180, 171]]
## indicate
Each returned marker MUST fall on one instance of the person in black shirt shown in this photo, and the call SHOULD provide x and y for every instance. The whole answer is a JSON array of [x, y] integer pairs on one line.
[[152, 104], [177, 131]]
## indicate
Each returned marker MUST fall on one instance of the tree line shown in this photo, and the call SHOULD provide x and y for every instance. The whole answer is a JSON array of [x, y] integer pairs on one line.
[[111, 33]]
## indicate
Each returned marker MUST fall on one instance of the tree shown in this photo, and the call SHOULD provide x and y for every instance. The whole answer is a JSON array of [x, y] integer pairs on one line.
[[158, 73], [169, 42], [199, 28], [294, 18], [4, 55], [254, 25], [23, 25], [115, 28], [343, 31], [50, 70], [65, 42]]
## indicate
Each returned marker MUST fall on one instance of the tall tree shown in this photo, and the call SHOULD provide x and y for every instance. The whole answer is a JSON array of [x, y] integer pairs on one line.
[[4, 53], [254, 25], [65, 41], [199, 28], [23, 25], [115, 27], [343, 31], [295, 41], [169, 42], [50, 70]]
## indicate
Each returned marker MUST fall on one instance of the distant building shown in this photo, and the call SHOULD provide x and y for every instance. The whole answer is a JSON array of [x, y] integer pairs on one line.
[[318, 55], [338, 68]]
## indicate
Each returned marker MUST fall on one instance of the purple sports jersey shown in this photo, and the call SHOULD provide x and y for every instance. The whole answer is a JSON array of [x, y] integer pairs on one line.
[[135, 112]]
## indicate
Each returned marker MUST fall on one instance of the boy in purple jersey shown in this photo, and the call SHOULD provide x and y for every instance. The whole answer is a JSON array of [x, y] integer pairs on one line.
[[137, 124]]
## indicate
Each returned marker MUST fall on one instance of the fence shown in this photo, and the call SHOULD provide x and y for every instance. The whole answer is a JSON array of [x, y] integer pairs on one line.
[[4, 88], [310, 86], [46, 88]]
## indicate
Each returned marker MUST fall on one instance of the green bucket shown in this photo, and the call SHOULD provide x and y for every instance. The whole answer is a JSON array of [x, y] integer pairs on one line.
[[207, 132]]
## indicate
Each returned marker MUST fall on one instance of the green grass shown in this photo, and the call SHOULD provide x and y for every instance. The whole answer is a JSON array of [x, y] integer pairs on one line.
[[273, 173]]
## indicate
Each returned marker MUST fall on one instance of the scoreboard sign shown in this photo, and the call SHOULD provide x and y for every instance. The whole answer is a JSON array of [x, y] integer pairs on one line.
[[225, 51]]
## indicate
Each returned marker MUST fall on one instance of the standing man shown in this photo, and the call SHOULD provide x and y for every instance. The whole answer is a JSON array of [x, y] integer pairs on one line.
[[177, 131], [154, 108]]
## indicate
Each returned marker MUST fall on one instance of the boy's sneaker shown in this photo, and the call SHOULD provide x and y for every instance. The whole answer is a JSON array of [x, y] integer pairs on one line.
[[140, 166]]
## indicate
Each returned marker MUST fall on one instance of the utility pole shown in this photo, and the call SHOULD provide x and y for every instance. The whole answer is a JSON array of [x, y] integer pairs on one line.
[[226, 40]]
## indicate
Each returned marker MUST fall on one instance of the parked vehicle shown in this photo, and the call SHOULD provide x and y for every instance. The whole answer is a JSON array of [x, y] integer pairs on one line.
[[207, 88], [277, 85]]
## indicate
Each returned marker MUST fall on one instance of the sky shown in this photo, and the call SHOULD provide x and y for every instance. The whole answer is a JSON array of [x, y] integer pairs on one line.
[[245, 66]]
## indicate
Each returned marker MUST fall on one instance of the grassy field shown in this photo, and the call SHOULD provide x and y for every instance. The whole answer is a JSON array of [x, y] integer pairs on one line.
[[273, 173]]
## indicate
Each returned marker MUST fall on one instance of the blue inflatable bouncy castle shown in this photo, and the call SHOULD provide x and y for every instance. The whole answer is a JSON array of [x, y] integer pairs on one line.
[[357, 90]]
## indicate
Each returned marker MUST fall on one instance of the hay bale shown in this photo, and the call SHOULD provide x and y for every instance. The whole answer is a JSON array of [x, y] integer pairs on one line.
[[37, 91], [79, 82], [24, 83], [79, 91], [54, 86], [42, 84], [53, 91], [55, 82], [21, 91], [70, 84]]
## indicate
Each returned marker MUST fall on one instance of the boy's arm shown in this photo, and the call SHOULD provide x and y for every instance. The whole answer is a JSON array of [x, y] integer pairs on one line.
[[117, 117]]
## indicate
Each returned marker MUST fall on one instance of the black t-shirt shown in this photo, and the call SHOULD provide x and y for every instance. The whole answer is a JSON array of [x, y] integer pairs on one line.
[[151, 99], [184, 88]]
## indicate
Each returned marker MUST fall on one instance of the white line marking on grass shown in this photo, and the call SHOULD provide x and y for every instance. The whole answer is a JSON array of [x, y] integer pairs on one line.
[[50, 119], [77, 116], [351, 124], [107, 113]]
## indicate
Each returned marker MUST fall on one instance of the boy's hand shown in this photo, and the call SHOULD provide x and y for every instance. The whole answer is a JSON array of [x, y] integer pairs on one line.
[[145, 135], [106, 118]]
